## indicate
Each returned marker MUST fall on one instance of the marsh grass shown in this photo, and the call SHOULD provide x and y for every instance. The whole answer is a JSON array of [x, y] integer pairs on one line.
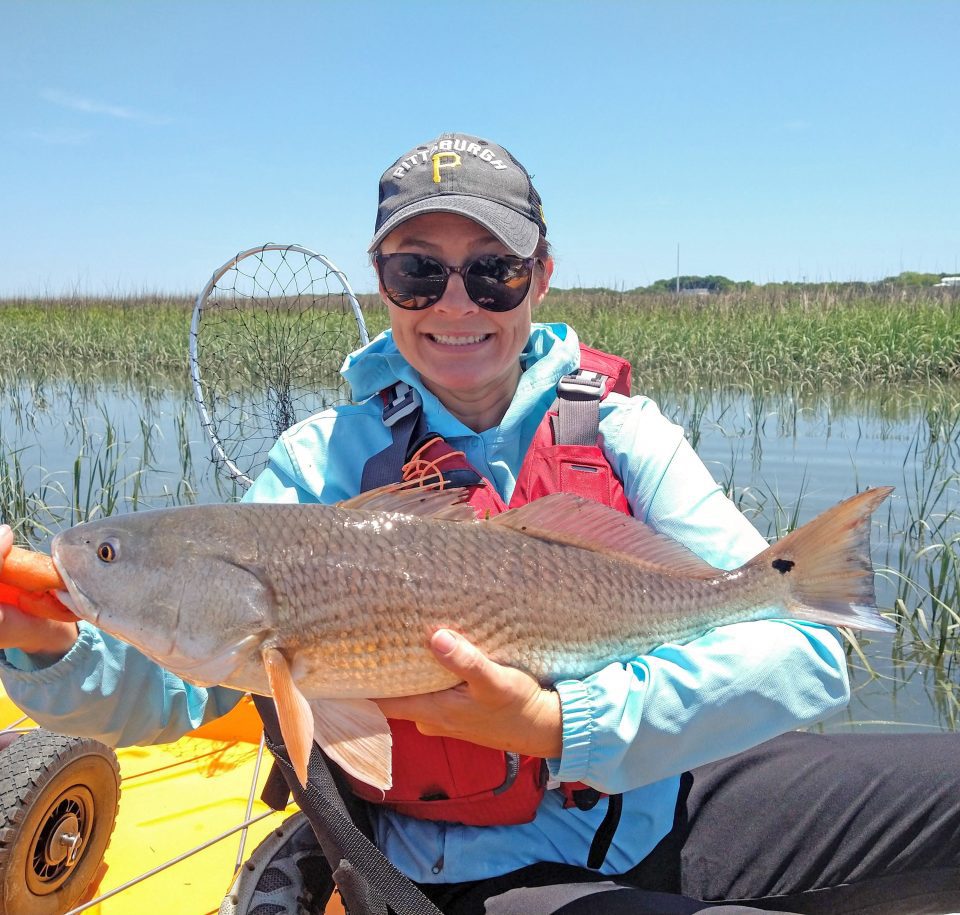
[[749, 366], [81, 338], [756, 339], [810, 338], [926, 564], [102, 469]]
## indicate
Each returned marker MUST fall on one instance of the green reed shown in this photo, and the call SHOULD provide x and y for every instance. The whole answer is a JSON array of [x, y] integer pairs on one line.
[[103, 470], [754, 339], [18, 505], [136, 337], [808, 337], [928, 560]]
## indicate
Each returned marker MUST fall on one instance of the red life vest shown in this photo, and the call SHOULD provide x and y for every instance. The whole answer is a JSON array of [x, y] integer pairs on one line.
[[441, 778]]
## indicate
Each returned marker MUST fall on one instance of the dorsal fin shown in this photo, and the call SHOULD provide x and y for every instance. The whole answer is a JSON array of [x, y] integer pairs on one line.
[[576, 521], [446, 503]]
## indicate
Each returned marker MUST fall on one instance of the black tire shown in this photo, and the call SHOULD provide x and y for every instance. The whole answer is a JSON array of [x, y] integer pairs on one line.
[[53, 786], [286, 875]]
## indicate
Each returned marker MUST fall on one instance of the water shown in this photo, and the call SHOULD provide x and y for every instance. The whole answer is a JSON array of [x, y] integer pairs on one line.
[[70, 452], [785, 460]]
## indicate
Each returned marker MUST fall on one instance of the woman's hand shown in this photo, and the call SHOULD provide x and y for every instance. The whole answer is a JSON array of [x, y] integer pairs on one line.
[[49, 639], [495, 706]]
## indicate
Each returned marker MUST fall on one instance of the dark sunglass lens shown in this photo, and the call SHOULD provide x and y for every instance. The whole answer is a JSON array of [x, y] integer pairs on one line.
[[498, 282], [412, 280]]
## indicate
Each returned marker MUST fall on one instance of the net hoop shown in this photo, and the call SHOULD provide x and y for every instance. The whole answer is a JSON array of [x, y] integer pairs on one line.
[[206, 420]]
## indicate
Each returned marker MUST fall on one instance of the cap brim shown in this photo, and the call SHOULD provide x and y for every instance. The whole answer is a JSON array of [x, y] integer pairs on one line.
[[517, 232]]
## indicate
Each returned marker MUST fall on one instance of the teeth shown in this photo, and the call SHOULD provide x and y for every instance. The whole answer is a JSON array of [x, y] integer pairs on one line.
[[458, 341]]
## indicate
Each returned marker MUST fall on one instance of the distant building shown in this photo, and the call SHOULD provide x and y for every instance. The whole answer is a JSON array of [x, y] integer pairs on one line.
[[949, 281]]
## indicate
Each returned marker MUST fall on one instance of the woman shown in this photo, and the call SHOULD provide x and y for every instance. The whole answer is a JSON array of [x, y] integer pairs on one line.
[[665, 803]]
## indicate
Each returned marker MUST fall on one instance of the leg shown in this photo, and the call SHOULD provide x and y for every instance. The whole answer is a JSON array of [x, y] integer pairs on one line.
[[820, 825], [813, 823], [560, 889]]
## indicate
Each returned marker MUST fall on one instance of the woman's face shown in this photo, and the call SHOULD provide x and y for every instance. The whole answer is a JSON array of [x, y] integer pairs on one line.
[[461, 350]]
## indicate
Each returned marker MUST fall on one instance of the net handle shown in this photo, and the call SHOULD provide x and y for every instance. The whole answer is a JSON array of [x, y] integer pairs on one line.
[[205, 420]]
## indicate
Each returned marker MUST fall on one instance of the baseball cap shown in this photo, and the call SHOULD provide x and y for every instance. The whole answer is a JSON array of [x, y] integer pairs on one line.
[[459, 173]]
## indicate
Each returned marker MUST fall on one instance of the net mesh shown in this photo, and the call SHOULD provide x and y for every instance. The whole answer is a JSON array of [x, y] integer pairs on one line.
[[272, 335]]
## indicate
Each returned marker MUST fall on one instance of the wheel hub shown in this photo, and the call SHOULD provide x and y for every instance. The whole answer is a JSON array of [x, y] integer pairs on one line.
[[64, 841], [59, 840]]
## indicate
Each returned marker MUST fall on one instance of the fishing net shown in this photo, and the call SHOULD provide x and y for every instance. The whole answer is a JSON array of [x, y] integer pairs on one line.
[[269, 334]]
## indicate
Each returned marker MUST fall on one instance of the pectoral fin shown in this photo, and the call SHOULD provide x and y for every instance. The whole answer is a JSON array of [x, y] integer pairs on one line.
[[293, 711], [355, 734]]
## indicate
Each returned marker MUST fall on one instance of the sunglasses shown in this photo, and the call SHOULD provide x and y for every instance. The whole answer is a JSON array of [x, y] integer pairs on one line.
[[496, 282]]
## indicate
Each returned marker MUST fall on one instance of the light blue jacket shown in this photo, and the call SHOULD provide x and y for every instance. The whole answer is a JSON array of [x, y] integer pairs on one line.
[[629, 728]]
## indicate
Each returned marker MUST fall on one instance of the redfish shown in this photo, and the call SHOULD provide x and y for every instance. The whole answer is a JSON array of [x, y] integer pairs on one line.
[[327, 607]]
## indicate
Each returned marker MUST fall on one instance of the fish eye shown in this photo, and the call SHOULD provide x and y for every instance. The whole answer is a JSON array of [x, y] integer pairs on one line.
[[106, 551]]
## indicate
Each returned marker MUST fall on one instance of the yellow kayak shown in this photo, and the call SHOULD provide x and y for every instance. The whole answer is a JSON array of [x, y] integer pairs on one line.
[[59, 797]]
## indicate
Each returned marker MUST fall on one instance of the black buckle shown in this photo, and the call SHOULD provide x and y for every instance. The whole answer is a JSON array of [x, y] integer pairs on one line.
[[405, 400], [581, 385]]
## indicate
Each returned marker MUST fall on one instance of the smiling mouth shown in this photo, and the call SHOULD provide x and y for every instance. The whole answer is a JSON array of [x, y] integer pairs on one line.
[[459, 340]]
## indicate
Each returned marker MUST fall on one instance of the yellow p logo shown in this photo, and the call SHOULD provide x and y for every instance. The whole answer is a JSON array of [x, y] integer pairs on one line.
[[444, 160]]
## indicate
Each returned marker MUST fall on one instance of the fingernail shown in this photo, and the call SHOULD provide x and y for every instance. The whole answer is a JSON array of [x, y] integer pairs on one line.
[[444, 641]]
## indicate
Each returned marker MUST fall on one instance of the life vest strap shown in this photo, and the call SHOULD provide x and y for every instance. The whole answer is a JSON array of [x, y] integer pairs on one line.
[[404, 410], [603, 837], [578, 408]]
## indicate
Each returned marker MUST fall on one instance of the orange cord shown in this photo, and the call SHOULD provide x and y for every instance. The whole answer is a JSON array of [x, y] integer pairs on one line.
[[419, 468]]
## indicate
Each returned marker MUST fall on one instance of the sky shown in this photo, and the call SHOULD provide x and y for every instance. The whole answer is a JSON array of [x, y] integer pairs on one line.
[[143, 143]]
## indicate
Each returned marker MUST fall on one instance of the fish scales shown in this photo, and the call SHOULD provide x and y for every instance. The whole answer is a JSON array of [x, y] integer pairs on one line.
[[383, 591]]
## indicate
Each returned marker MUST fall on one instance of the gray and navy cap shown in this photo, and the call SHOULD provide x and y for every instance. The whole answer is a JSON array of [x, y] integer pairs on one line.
[[457, 173]]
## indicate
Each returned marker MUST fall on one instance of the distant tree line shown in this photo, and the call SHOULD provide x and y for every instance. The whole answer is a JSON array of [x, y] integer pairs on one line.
[[713, 283], [710, 283], [911, 278]]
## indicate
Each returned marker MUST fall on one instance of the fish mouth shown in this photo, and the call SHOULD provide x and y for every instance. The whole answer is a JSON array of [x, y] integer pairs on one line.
[[74, 598]]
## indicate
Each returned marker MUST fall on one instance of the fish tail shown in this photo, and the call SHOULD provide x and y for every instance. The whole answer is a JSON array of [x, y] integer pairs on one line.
[[827, 563]]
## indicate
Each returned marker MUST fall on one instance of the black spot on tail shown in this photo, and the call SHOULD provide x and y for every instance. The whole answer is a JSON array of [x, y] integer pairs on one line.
[[783, 565]]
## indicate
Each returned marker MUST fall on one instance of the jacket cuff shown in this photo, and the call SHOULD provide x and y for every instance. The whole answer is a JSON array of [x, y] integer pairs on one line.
[[21, 667], [576, 710]]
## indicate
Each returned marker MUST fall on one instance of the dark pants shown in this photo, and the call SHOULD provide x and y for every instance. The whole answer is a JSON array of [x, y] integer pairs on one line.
[[806, 823]]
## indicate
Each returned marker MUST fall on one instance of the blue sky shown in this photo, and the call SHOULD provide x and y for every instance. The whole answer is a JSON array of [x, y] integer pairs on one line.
[[143, 143]]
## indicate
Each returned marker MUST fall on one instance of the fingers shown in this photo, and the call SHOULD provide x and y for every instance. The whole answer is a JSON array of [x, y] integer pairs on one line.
[[6, 541], [49, 637], [34, 634], [465, 660]]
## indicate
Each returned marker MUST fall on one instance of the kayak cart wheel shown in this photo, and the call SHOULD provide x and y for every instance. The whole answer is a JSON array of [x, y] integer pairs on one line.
[[286, 875], [58, 805]]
